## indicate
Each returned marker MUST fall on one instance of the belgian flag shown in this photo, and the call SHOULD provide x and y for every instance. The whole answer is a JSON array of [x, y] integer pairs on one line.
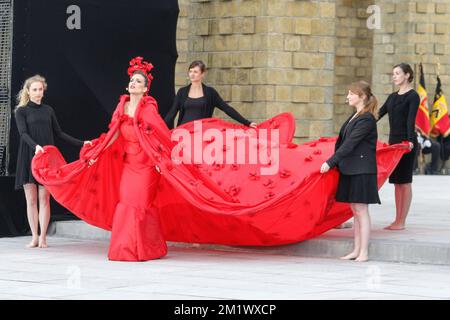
[[440, 122], [423, 116]]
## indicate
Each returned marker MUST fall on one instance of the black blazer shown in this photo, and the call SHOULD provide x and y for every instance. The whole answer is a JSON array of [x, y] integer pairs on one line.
[[355, 150], [213, 100]]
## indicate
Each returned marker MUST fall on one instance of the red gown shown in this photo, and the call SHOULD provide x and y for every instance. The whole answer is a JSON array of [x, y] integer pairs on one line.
[[231, 204], [136, 231]]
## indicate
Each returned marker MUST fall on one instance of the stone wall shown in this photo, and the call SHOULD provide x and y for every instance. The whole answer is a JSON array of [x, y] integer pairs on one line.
[[271, 56], [412, 32], [353, 59], [265, 57]]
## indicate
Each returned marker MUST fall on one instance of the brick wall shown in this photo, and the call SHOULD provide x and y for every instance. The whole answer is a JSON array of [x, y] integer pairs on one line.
[[271, 56], [353, 59], [412, 31]]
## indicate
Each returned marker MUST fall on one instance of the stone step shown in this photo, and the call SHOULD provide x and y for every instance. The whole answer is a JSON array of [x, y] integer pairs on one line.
[[332, 244]]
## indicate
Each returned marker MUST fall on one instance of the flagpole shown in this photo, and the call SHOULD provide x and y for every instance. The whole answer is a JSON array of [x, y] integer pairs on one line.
[[438, 68], [416, 66], [421, 156]]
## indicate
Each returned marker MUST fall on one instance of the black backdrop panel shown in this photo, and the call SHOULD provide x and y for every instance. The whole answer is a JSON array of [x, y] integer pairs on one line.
[[86, 69], [13, 211]]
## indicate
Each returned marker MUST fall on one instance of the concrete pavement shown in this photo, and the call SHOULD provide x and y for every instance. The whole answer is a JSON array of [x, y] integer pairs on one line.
[[78, 268]]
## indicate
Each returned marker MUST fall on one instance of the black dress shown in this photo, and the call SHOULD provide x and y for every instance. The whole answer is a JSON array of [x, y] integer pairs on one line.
[[36, 124], [193, 109], [402, 111]]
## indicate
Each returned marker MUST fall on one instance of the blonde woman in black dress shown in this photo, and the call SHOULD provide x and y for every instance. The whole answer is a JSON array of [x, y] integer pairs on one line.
[[37, 124], [355, 156]]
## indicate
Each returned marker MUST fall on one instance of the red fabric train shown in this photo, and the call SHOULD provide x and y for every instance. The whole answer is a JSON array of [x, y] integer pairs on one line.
[[230, 204]]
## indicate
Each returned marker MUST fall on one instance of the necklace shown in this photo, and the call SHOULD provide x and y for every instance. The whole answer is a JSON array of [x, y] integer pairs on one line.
[[354, 116]]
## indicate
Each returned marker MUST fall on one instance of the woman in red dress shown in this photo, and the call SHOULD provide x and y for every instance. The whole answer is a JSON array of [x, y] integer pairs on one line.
[[114, 183], [136, 232], [127, 181]]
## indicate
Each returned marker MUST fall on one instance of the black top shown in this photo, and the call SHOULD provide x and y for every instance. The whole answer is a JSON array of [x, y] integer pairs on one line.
[[193, 108], [355, 149], [213, 100], [445, 147], [37, 125], [402, 111]]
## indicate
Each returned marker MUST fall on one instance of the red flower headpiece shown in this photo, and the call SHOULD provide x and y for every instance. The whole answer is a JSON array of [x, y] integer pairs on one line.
[[138, 63]]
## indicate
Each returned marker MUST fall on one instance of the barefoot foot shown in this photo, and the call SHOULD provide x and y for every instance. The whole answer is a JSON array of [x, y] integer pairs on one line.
[[345, 225], [350, 256], [395, 226], [362, 258], [43, 243], [33, 243]]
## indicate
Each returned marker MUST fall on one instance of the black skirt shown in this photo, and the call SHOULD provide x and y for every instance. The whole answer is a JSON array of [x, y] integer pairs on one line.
[[23, 167], [403, 172], [358, 188]]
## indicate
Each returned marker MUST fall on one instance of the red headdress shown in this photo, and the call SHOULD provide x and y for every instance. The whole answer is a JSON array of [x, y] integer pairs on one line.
[[138, 63]]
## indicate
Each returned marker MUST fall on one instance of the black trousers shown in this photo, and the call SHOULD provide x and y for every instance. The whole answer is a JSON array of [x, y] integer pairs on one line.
[[435, 151]]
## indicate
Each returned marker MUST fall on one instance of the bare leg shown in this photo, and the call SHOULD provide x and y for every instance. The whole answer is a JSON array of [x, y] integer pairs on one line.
[[357, 246], [30, 190], [44, 215], [407, 199], [364, 228], [398, 206], [403, 197]]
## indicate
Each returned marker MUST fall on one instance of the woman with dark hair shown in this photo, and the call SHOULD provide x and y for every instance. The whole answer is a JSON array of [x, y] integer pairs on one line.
[[197, 101], [401, 107], [37, 125], [355, 156]]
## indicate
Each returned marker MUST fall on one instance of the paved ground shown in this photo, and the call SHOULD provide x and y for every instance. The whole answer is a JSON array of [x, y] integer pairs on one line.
[[79, 269], [429, 217]]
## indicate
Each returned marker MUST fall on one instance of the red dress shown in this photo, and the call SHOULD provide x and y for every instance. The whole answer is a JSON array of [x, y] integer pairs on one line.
[[136, 231], [230, 204]]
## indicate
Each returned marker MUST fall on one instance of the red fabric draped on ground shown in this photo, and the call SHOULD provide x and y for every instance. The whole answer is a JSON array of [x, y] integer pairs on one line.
[[232, 204]]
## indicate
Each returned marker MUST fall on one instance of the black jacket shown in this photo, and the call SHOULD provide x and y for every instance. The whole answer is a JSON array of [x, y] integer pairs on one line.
[[355, 150], [213, 100]]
